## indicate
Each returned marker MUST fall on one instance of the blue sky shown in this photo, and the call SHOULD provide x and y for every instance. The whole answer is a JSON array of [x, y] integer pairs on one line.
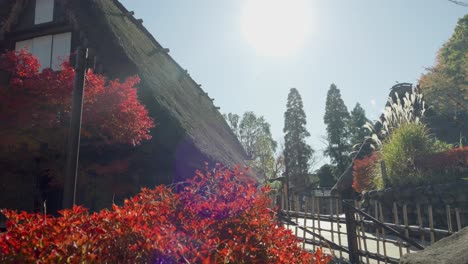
[[363, 46]]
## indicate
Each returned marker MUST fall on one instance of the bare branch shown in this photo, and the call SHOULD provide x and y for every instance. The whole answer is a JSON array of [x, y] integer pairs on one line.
[[458, 2]]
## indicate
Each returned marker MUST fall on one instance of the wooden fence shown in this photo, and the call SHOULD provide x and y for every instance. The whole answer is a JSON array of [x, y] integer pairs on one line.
[[379, 235]]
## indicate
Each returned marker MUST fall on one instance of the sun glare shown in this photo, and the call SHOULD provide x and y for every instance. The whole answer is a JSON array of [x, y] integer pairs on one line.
[[276, 27]]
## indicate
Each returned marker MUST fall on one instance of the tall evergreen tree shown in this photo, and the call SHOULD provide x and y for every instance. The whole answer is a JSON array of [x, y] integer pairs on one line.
[[357, 132], [336, 118], [297, 153]]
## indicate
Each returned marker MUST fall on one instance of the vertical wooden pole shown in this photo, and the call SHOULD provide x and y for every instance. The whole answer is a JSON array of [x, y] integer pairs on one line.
[[418, 208], [313, 218], [376, 215], [457, 216], [405, 221], [383, 169], [449, 219], [338, 224], [332, 228], [397, 223], [351, 232], [431, 224], [282, 202], [362, 235], [382, 219], [319, 214], [305, 222], [73, 148], [296, 207]]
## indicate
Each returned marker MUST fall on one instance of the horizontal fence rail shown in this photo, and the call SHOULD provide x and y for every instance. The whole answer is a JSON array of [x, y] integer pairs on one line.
[[382, 233]]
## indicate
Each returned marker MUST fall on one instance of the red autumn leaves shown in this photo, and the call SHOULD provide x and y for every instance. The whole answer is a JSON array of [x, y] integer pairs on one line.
[[41, 101], [216, 217]]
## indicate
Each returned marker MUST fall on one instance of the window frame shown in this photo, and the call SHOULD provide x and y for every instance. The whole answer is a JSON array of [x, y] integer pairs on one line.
[[44, 11], [53, 56]]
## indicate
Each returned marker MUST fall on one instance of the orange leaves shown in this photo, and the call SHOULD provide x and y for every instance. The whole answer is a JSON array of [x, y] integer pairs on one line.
[[217, 217]]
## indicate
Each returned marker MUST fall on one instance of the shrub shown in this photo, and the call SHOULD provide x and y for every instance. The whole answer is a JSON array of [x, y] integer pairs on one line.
[[364, 172], [445, 166], [217, 217], [37, 104], [402, 148]]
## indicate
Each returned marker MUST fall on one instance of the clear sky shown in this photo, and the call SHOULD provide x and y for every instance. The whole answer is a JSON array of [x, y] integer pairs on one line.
[[363, 46]]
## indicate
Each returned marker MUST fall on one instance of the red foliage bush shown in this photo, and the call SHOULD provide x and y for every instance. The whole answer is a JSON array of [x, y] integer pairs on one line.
[[457, 157], [363, 172], [217, 217], [36, 101]]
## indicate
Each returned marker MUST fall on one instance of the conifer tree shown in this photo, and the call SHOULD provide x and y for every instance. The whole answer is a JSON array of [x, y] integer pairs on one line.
[[297, 153], [357, 132], [336, 119]]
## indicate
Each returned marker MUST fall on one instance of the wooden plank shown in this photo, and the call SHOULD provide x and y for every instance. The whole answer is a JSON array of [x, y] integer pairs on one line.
[[353, 249], [457, 216], [383, 232], [313, 218], [337, 208], [431, 223], [395, 219], [305, 222], [376, 214], [296, 207], [449, 218], [418, 209], [318, 220], [287, 208], [282, 203], [405, 221], [363, 234], [332, 229]]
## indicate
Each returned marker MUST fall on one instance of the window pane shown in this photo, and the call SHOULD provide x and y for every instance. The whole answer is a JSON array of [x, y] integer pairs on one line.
[[44, 11], [60, 49], [24, 44], [42, 49]]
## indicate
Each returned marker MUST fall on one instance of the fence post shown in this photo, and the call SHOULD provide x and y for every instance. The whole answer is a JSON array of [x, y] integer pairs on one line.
[[351, 232]]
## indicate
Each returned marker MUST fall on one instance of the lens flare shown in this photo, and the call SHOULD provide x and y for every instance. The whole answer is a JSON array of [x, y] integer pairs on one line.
[[276, 27]]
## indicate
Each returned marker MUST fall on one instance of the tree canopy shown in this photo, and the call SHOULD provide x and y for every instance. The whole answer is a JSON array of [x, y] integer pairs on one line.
[[297, 153], [336, 119], [357, 131], [255, 136], [445, 86]]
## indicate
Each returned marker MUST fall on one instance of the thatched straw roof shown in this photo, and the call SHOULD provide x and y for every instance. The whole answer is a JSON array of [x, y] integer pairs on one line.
[[119, 37]]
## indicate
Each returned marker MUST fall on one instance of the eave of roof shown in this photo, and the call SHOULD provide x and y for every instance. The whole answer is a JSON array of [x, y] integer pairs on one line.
[[173, 87]]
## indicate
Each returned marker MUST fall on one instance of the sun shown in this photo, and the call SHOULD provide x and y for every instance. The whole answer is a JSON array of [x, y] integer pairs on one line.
[[276, 27]]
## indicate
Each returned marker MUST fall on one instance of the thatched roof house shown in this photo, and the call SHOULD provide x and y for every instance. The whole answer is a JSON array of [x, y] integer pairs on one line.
[[190, 129]]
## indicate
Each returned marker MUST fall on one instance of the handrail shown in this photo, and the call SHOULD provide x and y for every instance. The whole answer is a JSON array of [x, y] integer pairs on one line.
[[383, 225]]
